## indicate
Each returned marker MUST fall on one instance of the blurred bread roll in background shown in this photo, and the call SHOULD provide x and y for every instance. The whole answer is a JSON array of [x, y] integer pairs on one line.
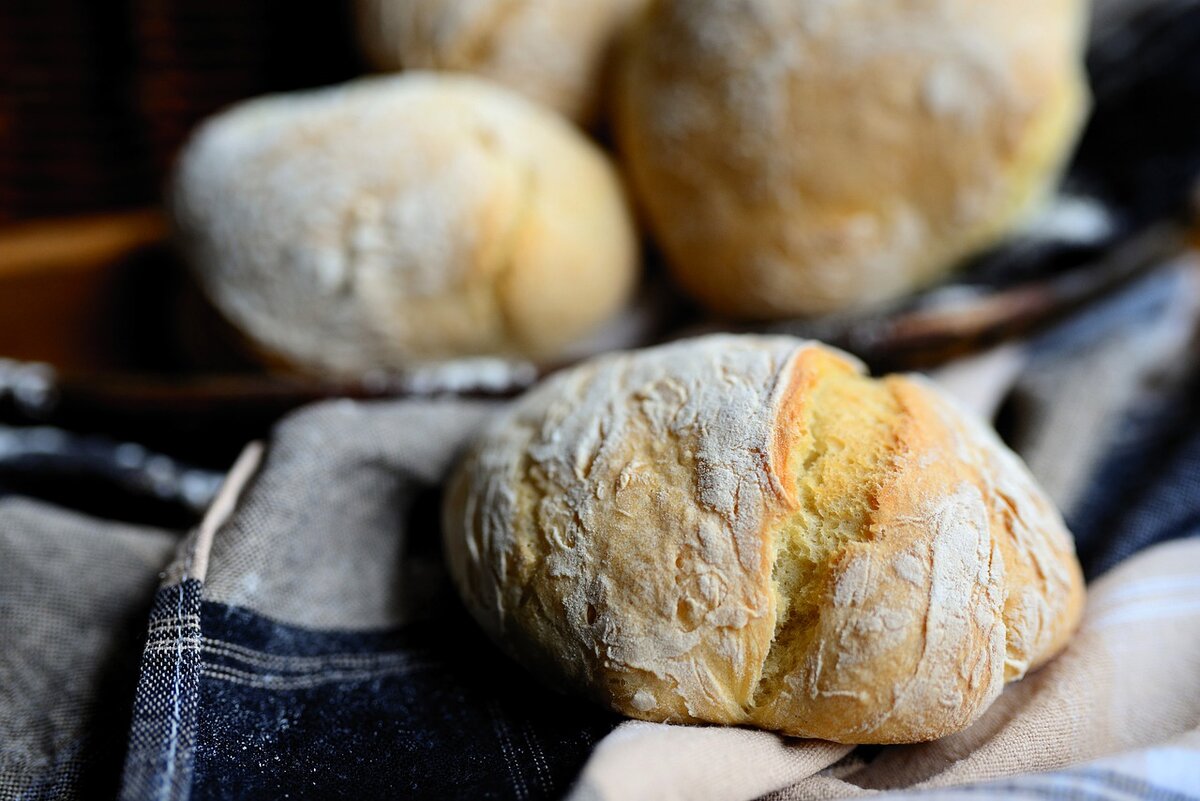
[[798, 158], [749, 530], [554, 51], [400, 220]]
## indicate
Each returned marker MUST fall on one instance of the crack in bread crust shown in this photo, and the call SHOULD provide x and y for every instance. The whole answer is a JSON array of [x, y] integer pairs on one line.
[[831, 481]]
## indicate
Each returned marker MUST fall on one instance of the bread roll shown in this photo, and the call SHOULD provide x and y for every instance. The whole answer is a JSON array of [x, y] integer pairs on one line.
[[748, 530], [401, 220], [554, 51], [797, 158]]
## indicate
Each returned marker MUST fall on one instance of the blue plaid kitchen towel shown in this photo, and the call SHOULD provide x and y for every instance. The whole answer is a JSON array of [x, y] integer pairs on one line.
[[304, 644]]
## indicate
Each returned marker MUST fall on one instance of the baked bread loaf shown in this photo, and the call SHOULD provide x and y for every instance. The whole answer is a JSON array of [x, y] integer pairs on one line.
[[749, 530], [400, 220], [796, 158], [554, 51]]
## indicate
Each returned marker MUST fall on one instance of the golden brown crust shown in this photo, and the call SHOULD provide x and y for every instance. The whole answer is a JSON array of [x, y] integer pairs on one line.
[[746, 530], [799, 158], [809, 367]]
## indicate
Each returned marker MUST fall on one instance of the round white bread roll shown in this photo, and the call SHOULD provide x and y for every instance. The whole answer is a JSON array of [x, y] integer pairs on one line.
[[401, 220], [749, 530], [797, 158], [554, 51]]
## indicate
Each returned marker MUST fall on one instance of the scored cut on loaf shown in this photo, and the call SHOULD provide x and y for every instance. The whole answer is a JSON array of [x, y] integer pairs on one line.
[[798, 158], [395, 221], [750, 530]]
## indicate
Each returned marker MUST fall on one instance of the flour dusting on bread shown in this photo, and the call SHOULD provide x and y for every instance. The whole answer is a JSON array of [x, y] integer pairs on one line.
[[749, 530]]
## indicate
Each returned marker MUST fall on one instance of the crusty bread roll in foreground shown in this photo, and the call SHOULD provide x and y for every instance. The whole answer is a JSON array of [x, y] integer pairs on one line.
[[800, 158], [554, 51], [749, 530], [401, 220]]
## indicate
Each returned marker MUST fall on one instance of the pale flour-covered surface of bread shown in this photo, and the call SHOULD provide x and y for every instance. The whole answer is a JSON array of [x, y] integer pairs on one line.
[[395, 221], [554, 51], [748, 530], [805, 157]]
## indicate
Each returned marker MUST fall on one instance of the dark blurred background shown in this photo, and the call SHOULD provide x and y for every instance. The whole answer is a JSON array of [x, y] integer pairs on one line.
[[96, 96]]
